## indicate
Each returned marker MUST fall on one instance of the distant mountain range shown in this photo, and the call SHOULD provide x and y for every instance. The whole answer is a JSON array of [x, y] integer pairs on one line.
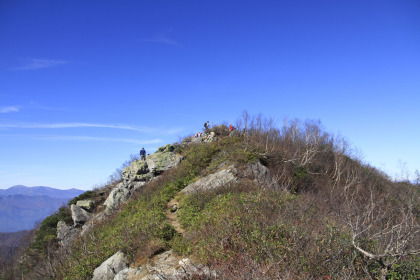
[[40, 190], [21, 207]]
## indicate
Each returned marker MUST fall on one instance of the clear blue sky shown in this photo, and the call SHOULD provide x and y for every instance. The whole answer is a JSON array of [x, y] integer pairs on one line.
[[84, 84]]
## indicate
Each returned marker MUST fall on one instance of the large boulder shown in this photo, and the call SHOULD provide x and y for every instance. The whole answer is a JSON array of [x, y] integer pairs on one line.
[[212, 181], [261, 175], [111, 267], [170, 266], [137, 171], [120, 194], [66, 234], [196, 140], [166, 265], [128, 274], [79, 215], [163, 159], [256, 172], [209, 137], [87, 204]]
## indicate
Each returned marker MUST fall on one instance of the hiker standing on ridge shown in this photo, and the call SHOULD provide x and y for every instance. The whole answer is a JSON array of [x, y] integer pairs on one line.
[[143, 154], [206, 126]]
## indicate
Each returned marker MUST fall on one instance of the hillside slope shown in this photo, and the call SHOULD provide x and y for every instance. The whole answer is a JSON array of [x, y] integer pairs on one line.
[[257, 203]]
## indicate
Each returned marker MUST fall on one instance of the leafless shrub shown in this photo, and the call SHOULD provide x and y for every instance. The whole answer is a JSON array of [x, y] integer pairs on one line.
[[384, 222]]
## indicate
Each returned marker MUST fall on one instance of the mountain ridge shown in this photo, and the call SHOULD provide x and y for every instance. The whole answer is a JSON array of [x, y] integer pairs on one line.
[[21, 207], [255, 203], [41, 190]]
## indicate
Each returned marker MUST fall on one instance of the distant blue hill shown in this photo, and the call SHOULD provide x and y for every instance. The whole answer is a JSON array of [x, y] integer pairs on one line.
[[41, 190], [21, 207]]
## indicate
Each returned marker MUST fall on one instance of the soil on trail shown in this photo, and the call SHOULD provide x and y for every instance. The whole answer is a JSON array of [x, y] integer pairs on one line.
[[172, 215]]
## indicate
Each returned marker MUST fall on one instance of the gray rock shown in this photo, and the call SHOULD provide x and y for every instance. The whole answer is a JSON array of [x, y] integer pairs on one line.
[[163, 266], [170, 267], [254, 171], [137, 185], [121, 194], [66, 234], [79, 215], [118, 195], [261, 175], [212, 181], [196, 140], [163, 159], [209, 137], [88, 204], [136, 172], [111, 267], [128, 274]]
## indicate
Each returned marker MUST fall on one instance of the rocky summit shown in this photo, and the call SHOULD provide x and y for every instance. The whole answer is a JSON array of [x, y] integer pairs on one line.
[[252, 203]]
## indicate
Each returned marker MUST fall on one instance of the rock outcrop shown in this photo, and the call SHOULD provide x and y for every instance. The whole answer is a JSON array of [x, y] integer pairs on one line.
[[111, 267], [208, 137], [66, 234], [120, 194], [87, 205], [79, 215], [166, 265], [139, 172], [133, 177], [163, 159], [257, 172], [213, 181], [261, 176]]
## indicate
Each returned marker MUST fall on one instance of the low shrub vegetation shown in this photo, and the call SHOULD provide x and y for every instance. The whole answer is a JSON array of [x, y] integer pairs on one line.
[[333, 217]]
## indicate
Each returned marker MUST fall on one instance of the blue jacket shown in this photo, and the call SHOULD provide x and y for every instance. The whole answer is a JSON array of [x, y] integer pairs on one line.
[[142, 152]]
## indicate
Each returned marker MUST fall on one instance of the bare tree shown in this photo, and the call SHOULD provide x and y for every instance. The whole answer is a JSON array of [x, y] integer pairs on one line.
[[384, 225]]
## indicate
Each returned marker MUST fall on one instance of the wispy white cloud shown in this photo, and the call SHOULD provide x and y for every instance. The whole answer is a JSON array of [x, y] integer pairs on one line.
[[35, 63], [81, 138], [75, 125], [142, 129], [96, 139], [9, 109]]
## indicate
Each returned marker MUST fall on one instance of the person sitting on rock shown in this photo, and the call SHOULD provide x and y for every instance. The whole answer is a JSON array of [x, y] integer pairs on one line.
[[143, 154]]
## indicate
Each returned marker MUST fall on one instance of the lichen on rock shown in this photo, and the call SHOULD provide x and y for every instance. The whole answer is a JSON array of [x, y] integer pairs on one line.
[[164, 159]]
